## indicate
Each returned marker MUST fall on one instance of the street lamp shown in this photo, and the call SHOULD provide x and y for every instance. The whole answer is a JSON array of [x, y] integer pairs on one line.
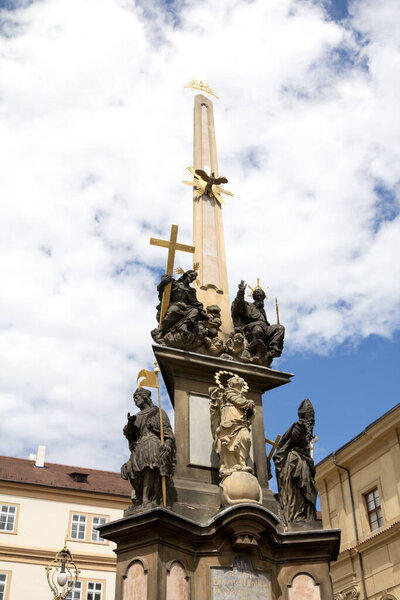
[[62, 574]]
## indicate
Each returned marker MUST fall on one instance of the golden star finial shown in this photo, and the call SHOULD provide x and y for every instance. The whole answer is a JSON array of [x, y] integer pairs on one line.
[[197, 84]]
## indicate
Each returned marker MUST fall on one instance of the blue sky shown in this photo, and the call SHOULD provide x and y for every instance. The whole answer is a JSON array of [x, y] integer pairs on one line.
[[97, 129], [350, 387]]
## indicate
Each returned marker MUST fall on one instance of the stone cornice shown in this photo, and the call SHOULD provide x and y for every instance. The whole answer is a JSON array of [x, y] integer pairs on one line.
[[179, 363], [239, 522], [43, 556], [376, 539], [374, 439]]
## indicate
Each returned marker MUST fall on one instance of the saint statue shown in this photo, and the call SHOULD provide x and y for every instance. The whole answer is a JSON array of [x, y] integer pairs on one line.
[[150, 460], [295, 469], [231, 416], [265, 341], [183, 323]]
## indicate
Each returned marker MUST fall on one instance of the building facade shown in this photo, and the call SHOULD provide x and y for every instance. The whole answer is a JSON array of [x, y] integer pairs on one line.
[[359, 488], [39, 506]]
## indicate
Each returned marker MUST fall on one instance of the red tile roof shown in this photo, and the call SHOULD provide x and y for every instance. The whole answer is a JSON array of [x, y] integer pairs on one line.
[[21, 470]]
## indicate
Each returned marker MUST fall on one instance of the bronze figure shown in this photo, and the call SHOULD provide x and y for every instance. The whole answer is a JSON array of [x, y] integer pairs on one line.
[[295, 470], [265, 341], [149, 460], [183, 325], [211, 180]]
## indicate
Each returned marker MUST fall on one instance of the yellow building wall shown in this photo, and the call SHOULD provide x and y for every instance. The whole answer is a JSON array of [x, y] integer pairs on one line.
[[373, 459], [42, 523], [29, 582]]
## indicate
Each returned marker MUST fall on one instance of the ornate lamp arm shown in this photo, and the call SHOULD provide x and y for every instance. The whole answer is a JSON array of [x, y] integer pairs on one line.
[[62, 574]]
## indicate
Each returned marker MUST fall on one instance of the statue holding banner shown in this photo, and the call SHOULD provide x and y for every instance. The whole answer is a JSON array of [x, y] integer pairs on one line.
[[150, 460]]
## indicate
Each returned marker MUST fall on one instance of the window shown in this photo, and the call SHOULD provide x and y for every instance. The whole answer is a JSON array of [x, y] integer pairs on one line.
[[3, 583], [87, 590], [94, 590], [5, 577], [82, 527], [79, 477], [95, 534], [76, 593], [78, 527], [374, 511], [8, 518]]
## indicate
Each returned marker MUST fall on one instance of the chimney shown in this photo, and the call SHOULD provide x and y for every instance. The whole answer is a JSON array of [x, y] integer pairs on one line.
[[41, 451]]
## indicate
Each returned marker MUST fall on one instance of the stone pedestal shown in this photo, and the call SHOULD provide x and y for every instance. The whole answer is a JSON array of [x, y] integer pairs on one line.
[[187, 377], [239, 554], [197, 549]]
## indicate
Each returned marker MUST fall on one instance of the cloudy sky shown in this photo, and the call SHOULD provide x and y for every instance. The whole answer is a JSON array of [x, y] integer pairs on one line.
[[96, 131]]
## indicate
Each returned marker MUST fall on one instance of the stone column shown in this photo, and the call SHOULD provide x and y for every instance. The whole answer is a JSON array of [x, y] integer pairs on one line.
[[208, 234]]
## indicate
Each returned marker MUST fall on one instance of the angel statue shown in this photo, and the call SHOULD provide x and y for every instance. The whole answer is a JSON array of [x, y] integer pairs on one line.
[[231, 416]]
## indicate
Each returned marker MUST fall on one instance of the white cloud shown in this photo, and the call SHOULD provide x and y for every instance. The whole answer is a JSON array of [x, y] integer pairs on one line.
[[96, 133]]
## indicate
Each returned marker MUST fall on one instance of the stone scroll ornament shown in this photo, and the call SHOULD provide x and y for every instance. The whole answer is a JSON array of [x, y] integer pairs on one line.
[[231, 415], [151, 462], [295, 470]]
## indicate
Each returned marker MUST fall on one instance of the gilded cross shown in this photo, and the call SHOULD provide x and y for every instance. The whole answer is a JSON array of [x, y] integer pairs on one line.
[[172, 245]]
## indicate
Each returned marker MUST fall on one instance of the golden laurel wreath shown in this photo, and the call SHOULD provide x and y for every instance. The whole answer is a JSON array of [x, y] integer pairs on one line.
[[217, 378]]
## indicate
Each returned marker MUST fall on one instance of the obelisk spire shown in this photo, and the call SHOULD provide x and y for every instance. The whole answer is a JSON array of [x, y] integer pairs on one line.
[[208, 234]]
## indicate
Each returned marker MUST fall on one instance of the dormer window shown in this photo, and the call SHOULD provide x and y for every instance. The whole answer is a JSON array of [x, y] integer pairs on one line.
[[79, 477]]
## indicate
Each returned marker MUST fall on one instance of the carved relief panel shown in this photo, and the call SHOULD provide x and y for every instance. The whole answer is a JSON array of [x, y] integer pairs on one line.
[[241, 582], [135, 582], [177, 582], [303, 587]]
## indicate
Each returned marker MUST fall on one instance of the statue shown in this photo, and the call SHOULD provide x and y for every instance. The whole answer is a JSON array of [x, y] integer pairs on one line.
[[265, 341], [231, 415], [210, 180], [183, 323], [149, 460], [295, 469], [236, 347], [214, 344]]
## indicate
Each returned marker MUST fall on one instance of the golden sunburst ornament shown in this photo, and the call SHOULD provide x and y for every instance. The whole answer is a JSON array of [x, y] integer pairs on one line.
[[201, 86], [181, 270], [258, 287], [207, 185]]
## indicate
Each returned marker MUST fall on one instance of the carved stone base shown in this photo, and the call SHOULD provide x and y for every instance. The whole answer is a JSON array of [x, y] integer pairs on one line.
[[238, 554], [240, 486]]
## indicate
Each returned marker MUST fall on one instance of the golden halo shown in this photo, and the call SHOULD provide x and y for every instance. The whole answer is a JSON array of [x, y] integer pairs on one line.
[[217, 377]]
